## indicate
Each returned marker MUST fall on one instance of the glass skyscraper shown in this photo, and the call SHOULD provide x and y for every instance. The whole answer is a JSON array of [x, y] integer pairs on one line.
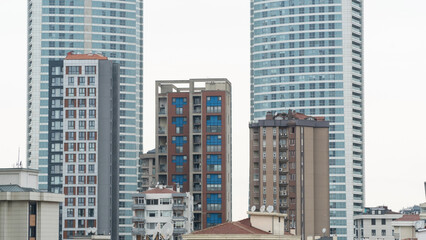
[[306, 55], [113, 28]]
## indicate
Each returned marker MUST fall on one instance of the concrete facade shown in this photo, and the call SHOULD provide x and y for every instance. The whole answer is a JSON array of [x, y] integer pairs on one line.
[[375, 223], [289, 170], [157, 206], [25, 212], [23, 177], [193, 144], [90, 145]]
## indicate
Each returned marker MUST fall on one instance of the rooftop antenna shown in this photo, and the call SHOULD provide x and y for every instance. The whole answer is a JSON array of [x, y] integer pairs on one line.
[[19, 162]]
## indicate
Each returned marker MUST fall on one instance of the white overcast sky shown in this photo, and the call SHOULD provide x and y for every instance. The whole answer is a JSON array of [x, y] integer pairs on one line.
[[200, 38]]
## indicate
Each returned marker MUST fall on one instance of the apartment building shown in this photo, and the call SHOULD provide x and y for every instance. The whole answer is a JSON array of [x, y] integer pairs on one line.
[[307, 55], [147, 176], [375, 223], [25, 211], [83, 151], [193, 144], [289, 170], [160, 205]]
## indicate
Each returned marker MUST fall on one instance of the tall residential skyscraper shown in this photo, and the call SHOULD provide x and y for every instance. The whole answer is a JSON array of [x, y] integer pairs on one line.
[[289, 170], [307, 55], [113, 28], [193, 144], [90, 145]]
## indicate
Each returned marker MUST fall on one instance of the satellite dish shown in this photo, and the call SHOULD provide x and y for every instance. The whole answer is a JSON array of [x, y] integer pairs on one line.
[[324, 230], [262, 208], [270, 209], [167, 230], [253, 208]]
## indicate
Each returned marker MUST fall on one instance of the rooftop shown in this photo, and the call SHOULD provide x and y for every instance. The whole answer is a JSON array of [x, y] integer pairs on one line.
[[16, 188], [159, 190], [89, 56], [408, 218], [241, 227]]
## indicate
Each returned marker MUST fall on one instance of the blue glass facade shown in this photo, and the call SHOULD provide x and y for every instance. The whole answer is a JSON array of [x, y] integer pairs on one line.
[[112, 28], [306, 55]]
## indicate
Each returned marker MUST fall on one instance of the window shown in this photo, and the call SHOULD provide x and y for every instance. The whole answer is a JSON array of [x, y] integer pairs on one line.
[[90, 69], [81, 190], [214, 143], [91, 202], [214, 104], [91, 179], [81, 179], [373, 232], [152, 202], [91, 190], [214, 182], [81, 81], [91, 81], [383, 222], [81, 168], [214, 202], [152, 213], [373, 222], [213, 219], [91, 168], [214, 124], [70, 212], [383, 232], [73, 70], [214, 163]]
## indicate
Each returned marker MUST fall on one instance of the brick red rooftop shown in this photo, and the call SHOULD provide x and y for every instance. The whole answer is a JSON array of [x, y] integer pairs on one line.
[[409, 218], [241, 227], [89, 56]]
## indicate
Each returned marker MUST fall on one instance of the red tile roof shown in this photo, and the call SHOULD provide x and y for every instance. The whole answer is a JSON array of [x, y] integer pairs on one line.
[[241, 227], [158, 190], [90, 56], [409, 218]]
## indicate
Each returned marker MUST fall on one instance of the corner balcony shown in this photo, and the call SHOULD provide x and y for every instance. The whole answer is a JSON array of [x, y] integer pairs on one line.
[[179, 231], [138, 219], [177, 218], [138, 206], [179, 206], [138, 231]]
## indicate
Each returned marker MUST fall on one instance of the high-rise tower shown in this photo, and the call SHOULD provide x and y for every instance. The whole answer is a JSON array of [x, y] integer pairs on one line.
[[193, 144], [113, 28], [307, 55]]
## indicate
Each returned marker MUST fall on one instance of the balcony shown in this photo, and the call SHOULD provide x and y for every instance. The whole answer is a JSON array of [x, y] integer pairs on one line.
[[162, 149], [283, 159], [138, 206], [283, 182], [179, 231], [283, 147], [162, 111], [177, 218], [179, 206], [138, 219], [138, 231], [161, 130], [283, 134], [283, 205]]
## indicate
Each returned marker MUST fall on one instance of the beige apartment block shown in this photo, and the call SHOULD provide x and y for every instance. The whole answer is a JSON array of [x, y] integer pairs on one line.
[[289, 170], [25, 212]]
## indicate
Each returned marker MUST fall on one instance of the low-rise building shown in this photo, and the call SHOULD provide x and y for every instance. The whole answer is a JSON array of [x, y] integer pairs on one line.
[[406, 226], [375, 223], [259, 225], [147, 176], [26, 212], [157, 206]]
